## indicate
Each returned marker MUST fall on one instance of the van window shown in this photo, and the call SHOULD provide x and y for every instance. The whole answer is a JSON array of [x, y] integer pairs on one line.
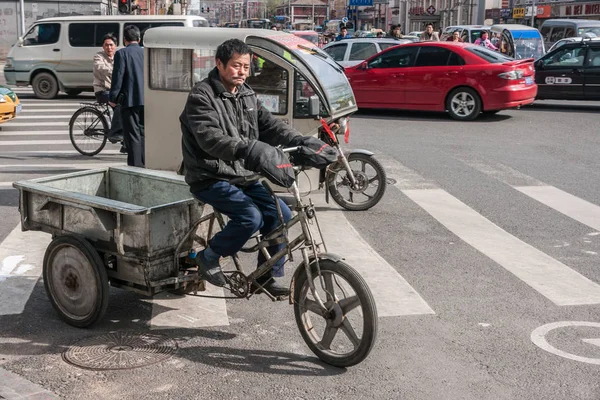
[[200, 23], [90, 34], [42, 34], [203, 61], [270, 83], [362, 51], [144, 26], [171, 69], [557, 33], [570, 32], [546, 33]]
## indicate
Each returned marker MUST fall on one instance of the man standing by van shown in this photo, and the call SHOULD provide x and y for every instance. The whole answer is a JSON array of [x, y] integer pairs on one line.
[[429, 35], [128, 91]]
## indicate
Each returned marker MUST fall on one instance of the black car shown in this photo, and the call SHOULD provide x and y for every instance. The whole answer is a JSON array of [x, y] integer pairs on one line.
[[570, 72]]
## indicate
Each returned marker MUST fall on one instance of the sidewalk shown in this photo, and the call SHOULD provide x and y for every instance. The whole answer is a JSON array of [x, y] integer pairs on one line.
[[13, 387]]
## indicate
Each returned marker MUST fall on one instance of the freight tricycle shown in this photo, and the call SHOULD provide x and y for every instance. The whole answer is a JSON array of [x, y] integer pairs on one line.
[[138, 229]]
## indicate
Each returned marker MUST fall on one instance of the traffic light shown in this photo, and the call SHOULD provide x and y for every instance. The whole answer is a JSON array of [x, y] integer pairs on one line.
[[207, 9], [202, 10], [125, 6]]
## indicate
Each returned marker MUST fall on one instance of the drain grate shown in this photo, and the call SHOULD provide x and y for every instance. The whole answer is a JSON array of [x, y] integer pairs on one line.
[[390, 181], [120, 350]]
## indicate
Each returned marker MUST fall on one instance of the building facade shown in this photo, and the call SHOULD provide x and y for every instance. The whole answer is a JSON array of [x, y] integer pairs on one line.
[[303, 14]]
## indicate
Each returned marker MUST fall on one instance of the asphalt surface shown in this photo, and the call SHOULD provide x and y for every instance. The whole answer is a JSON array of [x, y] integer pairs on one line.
[[486, 301]]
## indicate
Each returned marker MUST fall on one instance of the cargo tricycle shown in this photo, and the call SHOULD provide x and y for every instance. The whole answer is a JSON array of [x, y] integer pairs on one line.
[[139, 229]]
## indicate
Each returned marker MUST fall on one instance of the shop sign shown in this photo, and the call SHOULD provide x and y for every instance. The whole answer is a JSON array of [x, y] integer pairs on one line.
[[580, 9], [544, 11], [416, 11], [506, 13], [518, 13]]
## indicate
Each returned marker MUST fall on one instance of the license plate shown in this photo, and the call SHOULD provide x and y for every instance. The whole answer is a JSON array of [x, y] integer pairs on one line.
[[18, 108], [529, 80]]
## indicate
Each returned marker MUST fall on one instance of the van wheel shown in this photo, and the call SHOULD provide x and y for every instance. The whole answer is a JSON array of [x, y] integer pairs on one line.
[[463, 104], [73, 92], [45, 86]]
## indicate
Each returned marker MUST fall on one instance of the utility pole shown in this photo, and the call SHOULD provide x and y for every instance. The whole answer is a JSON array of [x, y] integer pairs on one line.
[[533, 12], [22, 18]]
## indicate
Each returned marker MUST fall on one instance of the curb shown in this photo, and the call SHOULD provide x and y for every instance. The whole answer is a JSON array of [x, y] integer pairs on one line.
[[13, 387]]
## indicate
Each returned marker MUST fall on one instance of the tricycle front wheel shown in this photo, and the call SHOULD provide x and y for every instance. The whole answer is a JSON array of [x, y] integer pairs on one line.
[[75, 280], [344, 334]]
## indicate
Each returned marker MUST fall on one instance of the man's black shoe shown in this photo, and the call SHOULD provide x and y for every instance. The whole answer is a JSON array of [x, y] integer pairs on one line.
[[115, 139], [123, 150], [272, 286], [210, 270]]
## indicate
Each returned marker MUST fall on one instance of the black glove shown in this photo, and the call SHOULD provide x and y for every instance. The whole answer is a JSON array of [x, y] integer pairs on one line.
[[270, 162], [313, 152]]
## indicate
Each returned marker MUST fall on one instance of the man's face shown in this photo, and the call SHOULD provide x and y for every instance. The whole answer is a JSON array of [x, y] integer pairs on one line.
[[429, 29], [109, 47], [396, 31], [344, 32], [455, 35], [235, 72]]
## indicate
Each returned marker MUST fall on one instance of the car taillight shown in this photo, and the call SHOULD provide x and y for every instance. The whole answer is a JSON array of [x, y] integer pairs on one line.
[[511, 75]]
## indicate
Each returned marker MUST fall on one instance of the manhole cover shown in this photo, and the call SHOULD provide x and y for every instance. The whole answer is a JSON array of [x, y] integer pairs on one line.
[[118, 350], [390, 181]]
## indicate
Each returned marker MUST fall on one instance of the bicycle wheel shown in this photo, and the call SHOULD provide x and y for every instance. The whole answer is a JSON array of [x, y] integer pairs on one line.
[[87, 131], [370, 179], [345, 335]]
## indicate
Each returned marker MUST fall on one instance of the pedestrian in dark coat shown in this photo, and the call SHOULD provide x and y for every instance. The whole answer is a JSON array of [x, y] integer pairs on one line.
[[128, 90]]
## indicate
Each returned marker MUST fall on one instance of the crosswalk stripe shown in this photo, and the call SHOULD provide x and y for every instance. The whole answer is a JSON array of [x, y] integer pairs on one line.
[[52, 110], [32, 133], [393, 294], [65, 116], [551, 278], [51, 152], [66, 166], [28, 124], [20, 269], [572, 206], [28, 104], [33, 142]]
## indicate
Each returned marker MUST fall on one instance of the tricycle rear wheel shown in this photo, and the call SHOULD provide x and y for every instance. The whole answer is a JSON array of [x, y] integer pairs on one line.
[[75, 280], [344, 335]]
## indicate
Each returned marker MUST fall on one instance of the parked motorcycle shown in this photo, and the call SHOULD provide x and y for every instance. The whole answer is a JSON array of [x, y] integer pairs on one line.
[[356, 182]]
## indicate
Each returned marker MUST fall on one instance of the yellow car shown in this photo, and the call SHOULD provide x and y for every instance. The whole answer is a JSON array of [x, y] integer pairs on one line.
[[10, 105]]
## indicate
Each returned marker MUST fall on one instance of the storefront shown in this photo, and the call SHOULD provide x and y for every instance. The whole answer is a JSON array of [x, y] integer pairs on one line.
[[580, 11]]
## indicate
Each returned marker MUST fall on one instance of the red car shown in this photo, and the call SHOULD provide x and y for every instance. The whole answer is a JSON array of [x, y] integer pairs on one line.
[[460, 78]]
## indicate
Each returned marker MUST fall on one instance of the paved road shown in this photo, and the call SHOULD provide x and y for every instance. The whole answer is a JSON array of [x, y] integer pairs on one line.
[[490, 234]]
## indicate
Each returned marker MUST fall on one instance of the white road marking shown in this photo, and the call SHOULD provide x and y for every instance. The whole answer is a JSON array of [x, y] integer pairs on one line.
[[32, 142], [171, 311], [50, 152], [13, 124], [52, 110], [33, 133], [572, 206], [65, 116], [551, 278], [393, 294], [538, 337], [66, 166], [21, 256]]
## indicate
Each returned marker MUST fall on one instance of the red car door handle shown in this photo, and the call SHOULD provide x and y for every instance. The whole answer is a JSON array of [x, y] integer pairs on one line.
[[451, 73], [398, 75]]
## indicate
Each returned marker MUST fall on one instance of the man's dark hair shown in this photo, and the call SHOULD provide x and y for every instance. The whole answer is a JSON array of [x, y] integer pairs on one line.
[[429, 24], [226, 50], [111, 37], [131, 33]]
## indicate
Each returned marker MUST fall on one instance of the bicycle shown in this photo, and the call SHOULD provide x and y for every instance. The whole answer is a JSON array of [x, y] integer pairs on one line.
[[89, 127], [328, 295]]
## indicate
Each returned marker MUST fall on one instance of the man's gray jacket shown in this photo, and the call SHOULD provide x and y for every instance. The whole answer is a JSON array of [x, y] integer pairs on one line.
[[217, 127]]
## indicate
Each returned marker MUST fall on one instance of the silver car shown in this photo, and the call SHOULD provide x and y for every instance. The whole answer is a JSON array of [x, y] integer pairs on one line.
[[350, 52]]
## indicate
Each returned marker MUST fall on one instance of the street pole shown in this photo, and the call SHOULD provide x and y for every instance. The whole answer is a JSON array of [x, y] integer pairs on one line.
[[22, 18], [533, 14]]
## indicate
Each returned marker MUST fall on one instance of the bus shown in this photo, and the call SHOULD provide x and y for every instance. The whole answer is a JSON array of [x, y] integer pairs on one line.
[[256, 23]]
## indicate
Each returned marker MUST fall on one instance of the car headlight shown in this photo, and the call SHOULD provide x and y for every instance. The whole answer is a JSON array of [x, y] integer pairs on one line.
[[2, 98]]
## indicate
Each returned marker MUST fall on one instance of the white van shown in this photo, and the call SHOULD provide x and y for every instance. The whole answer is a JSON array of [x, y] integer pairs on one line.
[[57, 54]]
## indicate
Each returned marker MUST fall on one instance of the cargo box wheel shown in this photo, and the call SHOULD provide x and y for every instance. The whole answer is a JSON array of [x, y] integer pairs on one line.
[[75, 280]]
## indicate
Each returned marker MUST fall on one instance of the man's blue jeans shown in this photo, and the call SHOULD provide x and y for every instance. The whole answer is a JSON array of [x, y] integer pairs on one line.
[[249, 209]]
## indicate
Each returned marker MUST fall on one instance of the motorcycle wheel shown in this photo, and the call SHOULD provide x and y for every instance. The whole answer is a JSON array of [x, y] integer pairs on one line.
[[370, 183]]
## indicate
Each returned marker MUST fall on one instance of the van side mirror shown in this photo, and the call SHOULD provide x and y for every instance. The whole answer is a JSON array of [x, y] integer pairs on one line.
[[313, 106], [20, 41]]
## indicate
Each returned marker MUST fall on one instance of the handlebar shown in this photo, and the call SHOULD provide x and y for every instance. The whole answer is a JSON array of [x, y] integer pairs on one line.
[[255, 177]]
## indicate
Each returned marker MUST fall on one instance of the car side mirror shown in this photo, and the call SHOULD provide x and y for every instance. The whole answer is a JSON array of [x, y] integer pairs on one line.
[[20, 41], [313, 106], [539, 64], [363, 66]]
